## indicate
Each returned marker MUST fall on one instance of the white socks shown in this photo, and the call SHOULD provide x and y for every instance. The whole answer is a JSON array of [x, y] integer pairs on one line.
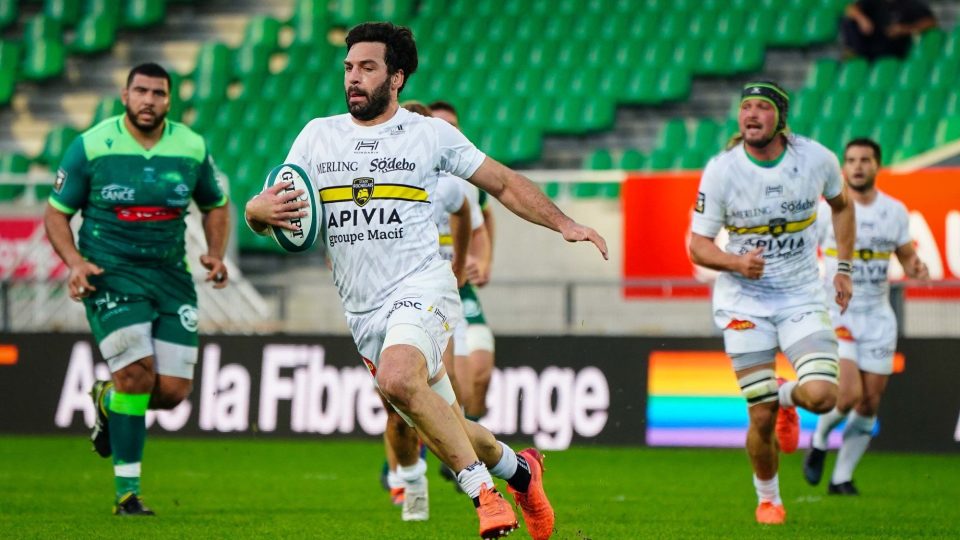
[[412, 475], [768, 490], [856, 438], [473, 478], [786, 391], [825, 424], [507, 466]]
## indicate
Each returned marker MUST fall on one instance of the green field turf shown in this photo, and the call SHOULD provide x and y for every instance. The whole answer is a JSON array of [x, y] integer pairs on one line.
[[54, 487]]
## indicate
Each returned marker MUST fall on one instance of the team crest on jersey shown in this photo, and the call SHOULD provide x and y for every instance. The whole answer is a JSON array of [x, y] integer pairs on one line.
[[61, 178], [778, 226], [701, 202], [362, 190]]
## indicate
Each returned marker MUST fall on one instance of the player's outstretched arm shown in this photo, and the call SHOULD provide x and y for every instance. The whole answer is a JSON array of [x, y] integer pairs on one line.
[[524, 198], [845, 231], [274, 206], [704, 252], [57, 225], [216, 229]]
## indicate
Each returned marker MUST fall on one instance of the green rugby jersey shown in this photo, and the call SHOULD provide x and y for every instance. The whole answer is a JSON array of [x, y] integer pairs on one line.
[[134, 200]]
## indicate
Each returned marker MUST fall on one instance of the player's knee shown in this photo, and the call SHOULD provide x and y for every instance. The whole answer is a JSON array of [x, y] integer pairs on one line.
[[848, 399], [168, 396], [479, 338], [136, 378], [763, 418], [397, 386], [821, 396]]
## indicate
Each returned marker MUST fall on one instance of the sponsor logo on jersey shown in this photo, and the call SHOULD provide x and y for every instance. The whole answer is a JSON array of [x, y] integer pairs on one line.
[[750, 213], [778, 226], [337, 166], [182, 190], [844, 333], [147, 213], [61, 178], [366, 147], [117, 193], [772, 192], [701, 202], [362, 190], [149, 174], [397, 130], [440, 315], [385, 165], [797, 206], [740, 326], [171, 176], [189, 318]]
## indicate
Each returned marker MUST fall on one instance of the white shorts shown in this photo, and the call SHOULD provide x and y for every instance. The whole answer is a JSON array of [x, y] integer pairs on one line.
[[129, 344], [754, 324], [427, 301], [868, 337], [460, 346]]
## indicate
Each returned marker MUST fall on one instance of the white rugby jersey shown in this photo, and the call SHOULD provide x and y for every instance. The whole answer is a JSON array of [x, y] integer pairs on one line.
[[377, 184], [771, 207], [451, 192], [882, 227]]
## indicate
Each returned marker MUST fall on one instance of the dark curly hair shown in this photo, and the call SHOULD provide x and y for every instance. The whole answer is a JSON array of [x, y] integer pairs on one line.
[[401, 52]]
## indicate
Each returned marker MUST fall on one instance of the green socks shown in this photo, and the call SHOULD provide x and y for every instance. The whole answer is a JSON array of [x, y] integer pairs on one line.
[[128, 431]]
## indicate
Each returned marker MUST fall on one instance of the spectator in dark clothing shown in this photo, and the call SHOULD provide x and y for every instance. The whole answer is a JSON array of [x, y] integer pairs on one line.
[[876, 28]]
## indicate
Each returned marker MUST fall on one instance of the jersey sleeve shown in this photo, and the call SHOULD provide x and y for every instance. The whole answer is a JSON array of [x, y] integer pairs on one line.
[[208, 193], [299, 153], [833, 183], [903, 225], [710, 209], [451, 198], [72, 186], [458, 156]]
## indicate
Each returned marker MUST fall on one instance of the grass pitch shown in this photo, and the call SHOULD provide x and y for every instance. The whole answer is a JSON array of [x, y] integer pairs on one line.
[[54, 487]]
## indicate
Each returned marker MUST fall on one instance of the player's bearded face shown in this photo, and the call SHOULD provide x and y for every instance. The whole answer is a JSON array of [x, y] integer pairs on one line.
[[860, 168], [147, 102], [374, 102], [758, 122]]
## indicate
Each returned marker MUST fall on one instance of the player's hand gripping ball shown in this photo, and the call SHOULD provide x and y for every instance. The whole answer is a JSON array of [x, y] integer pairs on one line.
[[308, 226]]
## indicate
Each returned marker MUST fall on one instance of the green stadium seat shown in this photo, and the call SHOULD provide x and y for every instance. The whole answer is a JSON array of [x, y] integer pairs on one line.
[[821, 26], [262, 31], [597, 114], [16, 164], [111, 9], [8, 13], [805, 106], [143, 13], [65, 11], [788, 28], [717, 58], [10, 57], [705, 136], [914, 75], [55, 145], [689, 55], [672, 136], [44, 60], [583, 190], [632, 160], [397, 11], [918, 136], [827, 132], [250, 65], [612, 82], [822, 75], [212, 72], [690, 159], [931, 101], [673, 25], [640, 87], [107, 107], [94, 34], [944, 73], [758, 25], [567, 116], [661, 159], [884, 73], [952, 105], [599, 160], [747, 57], [853, 74], [888, 134], [868, 104], [350, 12], [928, 45], [900, 105], [836, 105], [42, 28], [857, 128], [551, 189], [309, 21], [674, 85], [703, 25], [948, 130], [729, 26], [526, 144], [655, 55]]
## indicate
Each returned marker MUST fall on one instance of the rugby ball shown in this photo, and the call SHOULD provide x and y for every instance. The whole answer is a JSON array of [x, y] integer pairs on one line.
[[308, 226]]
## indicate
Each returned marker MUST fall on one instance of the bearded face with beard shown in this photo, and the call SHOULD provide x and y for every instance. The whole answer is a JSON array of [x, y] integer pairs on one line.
[[147, 101], [376, 102]]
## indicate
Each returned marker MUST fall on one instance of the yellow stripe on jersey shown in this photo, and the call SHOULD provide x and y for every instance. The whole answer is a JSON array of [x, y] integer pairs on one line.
[[446, 240], [774, 228], [862, 254], [380, 191]]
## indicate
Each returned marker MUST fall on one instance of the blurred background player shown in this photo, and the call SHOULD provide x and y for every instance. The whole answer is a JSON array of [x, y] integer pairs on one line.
[[877, 28], [764, 189], [398, 293], [406, 467], [867, 332], [132, 176], [474, 369]]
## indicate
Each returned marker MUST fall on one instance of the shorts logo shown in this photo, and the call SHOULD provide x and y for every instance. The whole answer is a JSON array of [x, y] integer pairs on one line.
[[471, 308], [443, 318], [61, 178], [740, 326], [189, 318], [405, 303], [844, 333], [701, 202], [370, 367], [362, 190]]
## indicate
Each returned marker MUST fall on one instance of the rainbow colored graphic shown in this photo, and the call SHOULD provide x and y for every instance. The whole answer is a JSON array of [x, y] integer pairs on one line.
[[693, 400]]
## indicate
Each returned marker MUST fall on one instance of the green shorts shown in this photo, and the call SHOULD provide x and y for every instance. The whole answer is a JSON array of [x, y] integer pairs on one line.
[[145, 311], [472, 310]]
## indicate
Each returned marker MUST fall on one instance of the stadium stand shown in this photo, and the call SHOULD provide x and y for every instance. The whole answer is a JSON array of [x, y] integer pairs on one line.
[[536, 70]]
